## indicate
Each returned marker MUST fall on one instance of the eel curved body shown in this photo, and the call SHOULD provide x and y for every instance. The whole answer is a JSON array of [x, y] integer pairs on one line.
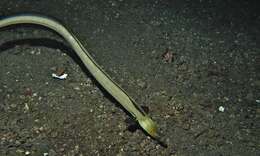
[[117, 92]]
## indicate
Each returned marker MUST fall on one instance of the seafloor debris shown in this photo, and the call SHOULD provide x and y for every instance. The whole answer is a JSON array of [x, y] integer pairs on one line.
[[168, 56], [60, 74], [221, 108]]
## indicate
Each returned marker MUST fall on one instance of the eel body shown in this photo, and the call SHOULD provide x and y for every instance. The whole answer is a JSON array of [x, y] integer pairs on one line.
[[111, 87]]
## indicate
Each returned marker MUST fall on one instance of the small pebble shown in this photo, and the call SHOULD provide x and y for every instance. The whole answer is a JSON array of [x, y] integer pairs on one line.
[[221, 109], [27, 153], [76, 88]]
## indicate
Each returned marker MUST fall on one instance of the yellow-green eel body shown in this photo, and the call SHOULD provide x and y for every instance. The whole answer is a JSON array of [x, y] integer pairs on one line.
[[115, 90]]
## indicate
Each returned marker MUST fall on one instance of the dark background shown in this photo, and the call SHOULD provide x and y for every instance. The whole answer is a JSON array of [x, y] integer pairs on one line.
[[215, 47]]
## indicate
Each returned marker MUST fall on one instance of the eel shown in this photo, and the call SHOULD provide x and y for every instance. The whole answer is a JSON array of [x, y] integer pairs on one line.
[[146, 123]]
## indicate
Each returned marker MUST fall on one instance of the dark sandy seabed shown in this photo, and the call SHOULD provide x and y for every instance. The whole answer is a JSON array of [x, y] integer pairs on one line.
[[215, 47]]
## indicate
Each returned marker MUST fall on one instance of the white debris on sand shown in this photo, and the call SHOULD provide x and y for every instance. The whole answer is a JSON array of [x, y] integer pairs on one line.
[[60, 77], [221, 108]]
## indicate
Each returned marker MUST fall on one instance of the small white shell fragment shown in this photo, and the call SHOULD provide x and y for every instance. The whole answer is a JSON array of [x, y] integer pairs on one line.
[[60, 77], [257, 101], [26, 107], [27, 153], [221, 108]]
